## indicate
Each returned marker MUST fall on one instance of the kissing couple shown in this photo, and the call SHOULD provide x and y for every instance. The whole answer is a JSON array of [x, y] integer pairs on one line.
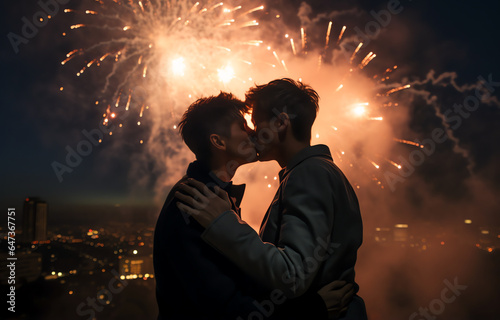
[[210, 264]]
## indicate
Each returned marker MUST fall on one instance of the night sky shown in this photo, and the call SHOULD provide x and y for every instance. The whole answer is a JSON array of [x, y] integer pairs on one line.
[[440, 47], [38, 121]]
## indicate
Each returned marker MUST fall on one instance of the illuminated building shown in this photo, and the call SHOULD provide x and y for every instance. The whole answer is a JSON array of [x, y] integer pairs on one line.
[[382, 234], [401, 232], [139, 265], [35, 220]]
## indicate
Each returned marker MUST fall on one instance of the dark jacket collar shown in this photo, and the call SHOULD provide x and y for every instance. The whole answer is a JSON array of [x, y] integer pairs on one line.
[[319, 150], [200, 171]]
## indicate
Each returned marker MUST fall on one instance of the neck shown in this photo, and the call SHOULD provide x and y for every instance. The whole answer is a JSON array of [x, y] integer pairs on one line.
[[224, 169], [289, 150]]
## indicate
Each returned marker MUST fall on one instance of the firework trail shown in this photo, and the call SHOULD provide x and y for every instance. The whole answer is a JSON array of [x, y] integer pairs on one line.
[[448, 79]]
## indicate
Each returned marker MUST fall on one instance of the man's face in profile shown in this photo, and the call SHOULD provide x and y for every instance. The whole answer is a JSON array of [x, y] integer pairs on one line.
[[266, 138], [240, 145]]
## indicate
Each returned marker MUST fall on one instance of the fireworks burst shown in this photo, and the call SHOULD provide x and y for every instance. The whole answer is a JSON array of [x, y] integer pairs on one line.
[[168, 53], [170, 47]]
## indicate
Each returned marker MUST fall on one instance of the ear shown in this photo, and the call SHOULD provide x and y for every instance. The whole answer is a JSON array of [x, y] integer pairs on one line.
[[282, 122], [217, 142]]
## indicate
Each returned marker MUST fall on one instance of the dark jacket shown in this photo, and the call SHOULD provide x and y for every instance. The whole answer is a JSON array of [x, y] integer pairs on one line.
[[194, 281]]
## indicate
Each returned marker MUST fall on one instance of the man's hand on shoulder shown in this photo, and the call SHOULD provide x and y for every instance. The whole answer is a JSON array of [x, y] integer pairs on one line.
[[201, 203]]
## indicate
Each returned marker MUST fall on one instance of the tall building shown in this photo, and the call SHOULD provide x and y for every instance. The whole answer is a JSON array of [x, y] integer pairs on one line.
[[34, 220]]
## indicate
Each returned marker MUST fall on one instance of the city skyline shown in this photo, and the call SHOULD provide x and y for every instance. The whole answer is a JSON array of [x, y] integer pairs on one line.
[[111, 261]]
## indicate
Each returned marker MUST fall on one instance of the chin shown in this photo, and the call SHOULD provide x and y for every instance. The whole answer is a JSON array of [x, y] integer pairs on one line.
[[244, 159], [242, 162]]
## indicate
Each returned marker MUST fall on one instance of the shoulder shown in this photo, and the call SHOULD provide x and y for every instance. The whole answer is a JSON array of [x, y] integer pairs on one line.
[[317, 174], [309, 176], [170, 216], [318, 167]]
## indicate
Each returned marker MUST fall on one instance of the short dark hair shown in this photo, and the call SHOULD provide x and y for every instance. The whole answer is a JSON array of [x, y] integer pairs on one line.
[[210, 115], [300, 101]]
